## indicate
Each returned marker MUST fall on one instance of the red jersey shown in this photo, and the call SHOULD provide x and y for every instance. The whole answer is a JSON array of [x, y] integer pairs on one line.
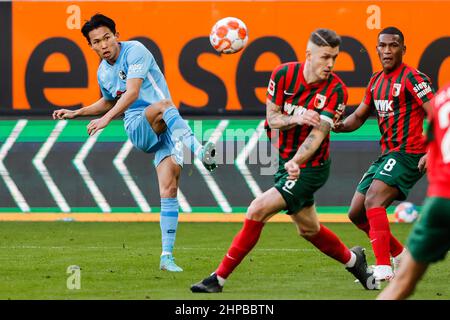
[[439, 145], [289, 90], [398, 98]]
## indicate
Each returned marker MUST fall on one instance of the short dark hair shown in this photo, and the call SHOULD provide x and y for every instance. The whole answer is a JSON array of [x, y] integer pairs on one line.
[[392, 30], [325, 38], [96, 21]]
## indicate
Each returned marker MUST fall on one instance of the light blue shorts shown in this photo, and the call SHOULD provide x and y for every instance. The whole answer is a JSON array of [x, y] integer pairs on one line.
[[143, 137]]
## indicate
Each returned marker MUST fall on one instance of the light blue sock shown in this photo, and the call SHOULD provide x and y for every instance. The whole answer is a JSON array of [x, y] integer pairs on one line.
[[168, 223], [179, 129]]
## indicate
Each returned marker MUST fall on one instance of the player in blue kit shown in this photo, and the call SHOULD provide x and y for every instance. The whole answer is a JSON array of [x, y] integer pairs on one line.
[[132, 83]]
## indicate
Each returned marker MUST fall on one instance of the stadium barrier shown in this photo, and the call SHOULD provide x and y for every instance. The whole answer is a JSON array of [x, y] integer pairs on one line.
[[54, 170]]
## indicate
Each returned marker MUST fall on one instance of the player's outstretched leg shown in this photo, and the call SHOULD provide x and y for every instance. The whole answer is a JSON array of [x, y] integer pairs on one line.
[[360, 270], [180, 131], [242, 244], [329, 243], [208, 156]]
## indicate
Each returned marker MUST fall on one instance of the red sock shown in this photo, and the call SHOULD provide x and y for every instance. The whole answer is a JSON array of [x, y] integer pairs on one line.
[[379, 234], [244, 241], [327, 242], [395, 246]]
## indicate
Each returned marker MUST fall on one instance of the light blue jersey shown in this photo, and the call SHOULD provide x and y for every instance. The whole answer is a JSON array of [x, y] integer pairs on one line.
[[134, 61]]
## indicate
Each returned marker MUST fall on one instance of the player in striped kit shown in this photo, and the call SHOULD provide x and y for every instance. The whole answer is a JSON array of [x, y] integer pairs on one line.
[[399, 95], [303, 102], [429, 240], [132, 83]]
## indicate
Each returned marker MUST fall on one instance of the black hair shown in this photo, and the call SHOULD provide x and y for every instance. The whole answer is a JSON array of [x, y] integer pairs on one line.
[[98, 20], [325, 38], [393, 30]]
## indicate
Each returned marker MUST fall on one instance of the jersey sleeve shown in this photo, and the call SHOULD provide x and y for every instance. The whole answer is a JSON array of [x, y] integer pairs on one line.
[[276, 85], [419, 86], [335, 106], [139, 60]]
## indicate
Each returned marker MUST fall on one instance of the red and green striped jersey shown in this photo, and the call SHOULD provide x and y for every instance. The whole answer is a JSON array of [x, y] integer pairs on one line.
[[289, 90], [439, 146], [398, 98]]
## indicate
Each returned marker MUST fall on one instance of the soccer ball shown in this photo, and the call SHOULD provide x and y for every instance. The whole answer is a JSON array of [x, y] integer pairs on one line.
[[406, 212], [229, 35]]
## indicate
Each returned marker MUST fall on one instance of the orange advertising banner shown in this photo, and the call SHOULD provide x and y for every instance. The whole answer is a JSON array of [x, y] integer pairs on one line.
[[53, 66]]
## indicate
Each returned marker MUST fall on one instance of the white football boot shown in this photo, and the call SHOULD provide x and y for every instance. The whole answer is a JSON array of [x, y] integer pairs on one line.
[[383, 273]]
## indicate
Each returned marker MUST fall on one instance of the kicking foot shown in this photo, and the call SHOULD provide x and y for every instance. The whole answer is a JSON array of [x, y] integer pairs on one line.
[[207, 285], [208, 156], [383, 273], [167, 263]]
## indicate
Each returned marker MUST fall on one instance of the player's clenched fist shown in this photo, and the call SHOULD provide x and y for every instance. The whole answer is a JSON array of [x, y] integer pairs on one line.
[[310, 118], [292, 169], [62, 114], [338, 126]]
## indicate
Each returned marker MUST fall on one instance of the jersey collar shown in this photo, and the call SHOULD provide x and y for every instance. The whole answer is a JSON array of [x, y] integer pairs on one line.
[[394, 73]]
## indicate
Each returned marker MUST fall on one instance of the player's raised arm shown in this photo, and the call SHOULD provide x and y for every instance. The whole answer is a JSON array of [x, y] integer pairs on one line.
[[276, 99], [125, 100], [277, 120], [355, 120], [99, 107]]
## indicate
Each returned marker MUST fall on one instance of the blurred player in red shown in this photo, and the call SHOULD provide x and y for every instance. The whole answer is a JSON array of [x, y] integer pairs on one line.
[[429, 240], [399, 94], [303, 102]]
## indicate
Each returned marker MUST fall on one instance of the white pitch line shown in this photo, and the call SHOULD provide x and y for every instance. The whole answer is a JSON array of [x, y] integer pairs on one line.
[[242, 157], [38, 162], [12, 187], [211, 183], [86, 176], [119, 163]]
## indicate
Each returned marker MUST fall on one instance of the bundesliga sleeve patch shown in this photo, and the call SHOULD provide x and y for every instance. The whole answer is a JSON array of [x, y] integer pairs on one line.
[[271, 88]]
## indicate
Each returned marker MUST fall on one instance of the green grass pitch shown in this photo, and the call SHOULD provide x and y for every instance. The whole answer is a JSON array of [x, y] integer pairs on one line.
[[121, 260]]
